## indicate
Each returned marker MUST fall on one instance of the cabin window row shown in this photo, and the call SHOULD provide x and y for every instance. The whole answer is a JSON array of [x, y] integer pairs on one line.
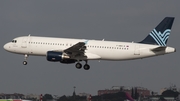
[[46, 43], [106, 47]]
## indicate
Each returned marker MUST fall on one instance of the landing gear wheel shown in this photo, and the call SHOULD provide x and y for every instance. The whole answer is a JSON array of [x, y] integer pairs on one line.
[[86, 67], [24, 62], [78, 65]]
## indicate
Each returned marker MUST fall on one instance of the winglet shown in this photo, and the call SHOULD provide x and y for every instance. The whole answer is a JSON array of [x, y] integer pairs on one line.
[[86, 42]]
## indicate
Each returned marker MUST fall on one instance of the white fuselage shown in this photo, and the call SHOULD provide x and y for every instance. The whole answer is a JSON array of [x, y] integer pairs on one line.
[[96, 49]]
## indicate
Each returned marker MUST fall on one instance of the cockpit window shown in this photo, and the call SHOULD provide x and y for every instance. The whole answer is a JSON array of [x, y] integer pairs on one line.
[[14, 41]]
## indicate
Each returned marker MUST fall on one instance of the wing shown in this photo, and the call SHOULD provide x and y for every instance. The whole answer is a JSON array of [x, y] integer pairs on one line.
[[76, 51], [77, 48]]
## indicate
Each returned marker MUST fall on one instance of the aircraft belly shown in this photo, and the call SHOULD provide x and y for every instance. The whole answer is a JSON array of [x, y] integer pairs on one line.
[[38, 50]]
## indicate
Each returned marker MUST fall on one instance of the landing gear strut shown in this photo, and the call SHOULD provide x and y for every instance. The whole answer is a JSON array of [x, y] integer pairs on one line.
[[25, 59]]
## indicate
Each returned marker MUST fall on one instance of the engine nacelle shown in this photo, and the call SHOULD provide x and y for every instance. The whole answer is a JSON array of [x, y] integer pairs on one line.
[[54, 56], [58, 57], [68, 61]]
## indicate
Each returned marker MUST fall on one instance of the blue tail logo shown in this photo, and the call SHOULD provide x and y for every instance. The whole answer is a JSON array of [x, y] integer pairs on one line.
[[160, 34], [160, 38]]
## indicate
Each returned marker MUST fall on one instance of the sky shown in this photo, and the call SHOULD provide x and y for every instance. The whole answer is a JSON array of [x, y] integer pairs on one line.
[[115, 20]]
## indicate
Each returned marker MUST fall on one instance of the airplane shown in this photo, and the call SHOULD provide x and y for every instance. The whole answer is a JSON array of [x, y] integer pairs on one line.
[[68, 50]]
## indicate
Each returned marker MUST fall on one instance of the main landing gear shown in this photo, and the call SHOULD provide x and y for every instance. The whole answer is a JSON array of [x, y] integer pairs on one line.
[[79, 66], [25, 59]]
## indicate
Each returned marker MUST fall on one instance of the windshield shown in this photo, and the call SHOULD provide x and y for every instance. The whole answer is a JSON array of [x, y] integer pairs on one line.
[[14, 41]]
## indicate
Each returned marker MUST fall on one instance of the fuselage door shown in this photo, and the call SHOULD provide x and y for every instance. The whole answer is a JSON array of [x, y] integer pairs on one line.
[[24, 42], [137, 50]]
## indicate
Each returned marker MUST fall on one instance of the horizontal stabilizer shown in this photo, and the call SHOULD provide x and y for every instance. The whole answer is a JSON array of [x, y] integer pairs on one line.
[[161, 48]]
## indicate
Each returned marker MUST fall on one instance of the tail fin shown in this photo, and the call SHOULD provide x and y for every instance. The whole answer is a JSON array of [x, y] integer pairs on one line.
[[160, 34]]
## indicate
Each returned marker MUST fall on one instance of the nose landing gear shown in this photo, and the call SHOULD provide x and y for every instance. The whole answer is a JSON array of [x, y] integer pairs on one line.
[[25, 59], [24, 62]]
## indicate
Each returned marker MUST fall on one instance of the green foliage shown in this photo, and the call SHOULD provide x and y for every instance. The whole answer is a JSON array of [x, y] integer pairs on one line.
[[136, 95], [132, 93], [72, 98], [63, 98], [120, 96], [47, 97], [162, 98], [170, 93]]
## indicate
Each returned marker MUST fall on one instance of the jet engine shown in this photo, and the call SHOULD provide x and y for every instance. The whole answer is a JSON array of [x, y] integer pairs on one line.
[[58, 57]]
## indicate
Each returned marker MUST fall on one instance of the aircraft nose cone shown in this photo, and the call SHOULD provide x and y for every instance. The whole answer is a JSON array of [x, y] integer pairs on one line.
[[6, 47]]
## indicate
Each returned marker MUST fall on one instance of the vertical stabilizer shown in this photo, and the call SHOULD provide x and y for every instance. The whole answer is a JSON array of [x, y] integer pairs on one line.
[[159, 35]]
